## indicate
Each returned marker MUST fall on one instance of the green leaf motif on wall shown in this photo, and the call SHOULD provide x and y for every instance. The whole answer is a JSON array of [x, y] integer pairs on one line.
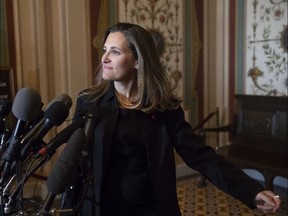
[[266, 54], [275, 62]]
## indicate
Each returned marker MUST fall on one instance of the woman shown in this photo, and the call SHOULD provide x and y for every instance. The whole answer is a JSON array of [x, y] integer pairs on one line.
[[139, 123]]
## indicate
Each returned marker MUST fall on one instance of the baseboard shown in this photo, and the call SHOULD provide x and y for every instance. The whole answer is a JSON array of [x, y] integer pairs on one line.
[[278, 181]]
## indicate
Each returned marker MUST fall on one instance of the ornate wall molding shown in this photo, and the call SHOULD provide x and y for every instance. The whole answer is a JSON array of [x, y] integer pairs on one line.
[[266, 56], [164, 18]]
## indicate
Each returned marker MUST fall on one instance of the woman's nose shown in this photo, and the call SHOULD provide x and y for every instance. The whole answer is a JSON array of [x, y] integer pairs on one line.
[[105, 57]]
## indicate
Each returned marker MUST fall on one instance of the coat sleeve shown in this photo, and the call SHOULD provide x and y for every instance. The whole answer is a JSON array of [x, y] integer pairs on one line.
[[203, 158]]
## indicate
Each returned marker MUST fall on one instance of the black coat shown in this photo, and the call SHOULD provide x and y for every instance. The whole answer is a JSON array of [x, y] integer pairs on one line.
[[165, 132]]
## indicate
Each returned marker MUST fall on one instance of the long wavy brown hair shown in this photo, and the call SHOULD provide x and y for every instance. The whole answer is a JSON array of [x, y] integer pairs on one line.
[[154, 84]]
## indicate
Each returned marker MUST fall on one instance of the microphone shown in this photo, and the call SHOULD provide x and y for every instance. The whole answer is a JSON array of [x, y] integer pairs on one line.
[[63, 98], [27, 103], [65, 169], [60, 138], [55, 115], [92, 118], [38, 122]]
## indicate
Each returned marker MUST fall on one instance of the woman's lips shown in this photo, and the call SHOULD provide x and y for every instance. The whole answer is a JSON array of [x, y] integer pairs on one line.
[[107, 67]]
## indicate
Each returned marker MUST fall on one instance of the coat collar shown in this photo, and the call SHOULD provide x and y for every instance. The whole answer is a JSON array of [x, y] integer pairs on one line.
[[110, 93]]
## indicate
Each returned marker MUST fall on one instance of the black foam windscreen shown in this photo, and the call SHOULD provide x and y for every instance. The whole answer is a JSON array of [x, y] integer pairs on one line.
[[66, 167], [61, 138], [27, 104], [63, 98], [57, 113]]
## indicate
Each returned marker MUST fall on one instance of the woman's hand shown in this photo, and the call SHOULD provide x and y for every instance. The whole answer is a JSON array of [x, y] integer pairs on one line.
[[267, 201]]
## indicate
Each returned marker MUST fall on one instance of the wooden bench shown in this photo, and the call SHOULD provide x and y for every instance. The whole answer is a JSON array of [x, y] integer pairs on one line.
[[259, 136]]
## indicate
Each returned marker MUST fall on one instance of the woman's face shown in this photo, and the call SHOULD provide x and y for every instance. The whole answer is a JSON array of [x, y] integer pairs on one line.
[[118, 61]]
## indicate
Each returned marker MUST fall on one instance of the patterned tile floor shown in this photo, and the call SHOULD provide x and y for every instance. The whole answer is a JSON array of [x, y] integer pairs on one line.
[[210, 201]]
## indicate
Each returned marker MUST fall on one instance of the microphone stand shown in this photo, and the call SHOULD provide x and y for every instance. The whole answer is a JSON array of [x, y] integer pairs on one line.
[[10, 205], [14, 155], [1, 197]]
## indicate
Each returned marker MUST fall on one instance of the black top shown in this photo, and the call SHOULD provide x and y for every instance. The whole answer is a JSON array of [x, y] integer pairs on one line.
[[126, 180]]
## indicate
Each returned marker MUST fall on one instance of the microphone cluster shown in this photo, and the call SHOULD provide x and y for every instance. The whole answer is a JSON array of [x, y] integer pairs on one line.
[[23, 149]]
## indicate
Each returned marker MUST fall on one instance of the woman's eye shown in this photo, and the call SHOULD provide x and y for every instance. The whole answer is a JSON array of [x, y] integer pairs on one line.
[[115, 52]]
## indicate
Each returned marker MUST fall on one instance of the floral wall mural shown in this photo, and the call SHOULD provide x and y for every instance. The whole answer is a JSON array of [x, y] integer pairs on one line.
[[164, 19], [266, 47]]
